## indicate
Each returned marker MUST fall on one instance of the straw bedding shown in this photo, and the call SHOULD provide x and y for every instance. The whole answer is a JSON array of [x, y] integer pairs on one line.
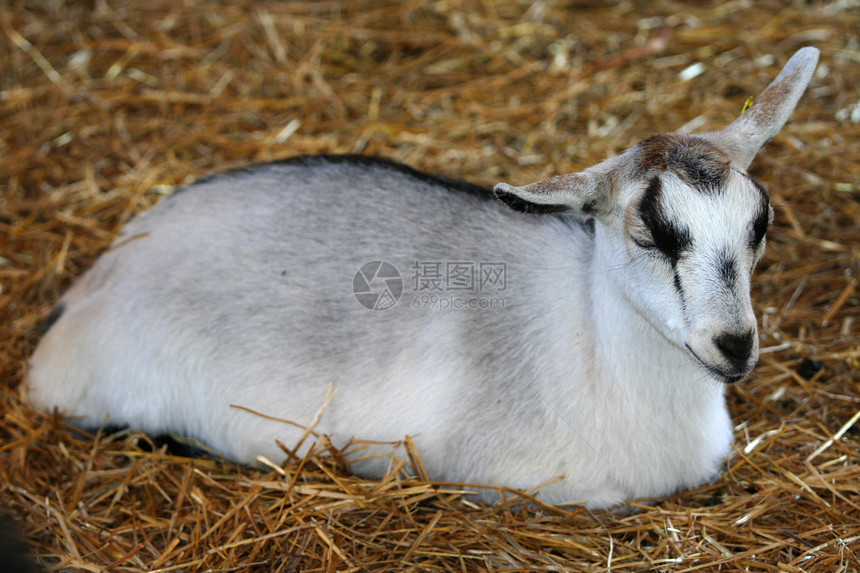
[[104, 106]]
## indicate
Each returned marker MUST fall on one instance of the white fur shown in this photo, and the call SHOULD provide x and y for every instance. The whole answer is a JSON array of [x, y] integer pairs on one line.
[[238, 291]]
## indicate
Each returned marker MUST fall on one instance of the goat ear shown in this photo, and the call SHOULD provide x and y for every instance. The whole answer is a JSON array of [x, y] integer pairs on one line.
[[580, 193], [743, 139]]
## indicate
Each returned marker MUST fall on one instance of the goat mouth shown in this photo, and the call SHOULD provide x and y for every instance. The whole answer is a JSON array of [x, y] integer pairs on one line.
[[722, 376]]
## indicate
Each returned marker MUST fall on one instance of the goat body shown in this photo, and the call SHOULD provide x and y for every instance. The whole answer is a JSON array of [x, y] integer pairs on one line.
[[600, 316]]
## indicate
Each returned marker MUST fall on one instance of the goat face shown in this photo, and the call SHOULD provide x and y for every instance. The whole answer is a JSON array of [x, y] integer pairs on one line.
[[680, 228], [692, 231], [685, 223]]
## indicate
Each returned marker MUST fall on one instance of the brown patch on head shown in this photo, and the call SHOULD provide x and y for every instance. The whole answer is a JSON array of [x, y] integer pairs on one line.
[[694, 160]]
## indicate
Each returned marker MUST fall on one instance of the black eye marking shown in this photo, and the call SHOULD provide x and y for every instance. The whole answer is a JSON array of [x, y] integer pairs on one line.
[[763, 215], [762, 218], [669, 238], [759, 228]]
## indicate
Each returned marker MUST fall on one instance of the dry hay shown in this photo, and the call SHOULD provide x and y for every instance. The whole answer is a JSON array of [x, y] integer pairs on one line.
[[103, 107]]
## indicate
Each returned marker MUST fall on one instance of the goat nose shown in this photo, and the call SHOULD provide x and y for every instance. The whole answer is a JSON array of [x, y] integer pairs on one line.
[[736, 347]]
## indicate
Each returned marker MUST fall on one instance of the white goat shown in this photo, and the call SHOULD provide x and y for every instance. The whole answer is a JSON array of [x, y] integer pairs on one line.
[[616, 319]]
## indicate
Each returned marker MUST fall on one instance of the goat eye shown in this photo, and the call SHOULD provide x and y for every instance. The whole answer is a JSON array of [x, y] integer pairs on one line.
[[644, 244]]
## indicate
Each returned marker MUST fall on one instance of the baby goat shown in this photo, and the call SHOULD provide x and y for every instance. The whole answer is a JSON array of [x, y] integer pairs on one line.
[[615, 318]]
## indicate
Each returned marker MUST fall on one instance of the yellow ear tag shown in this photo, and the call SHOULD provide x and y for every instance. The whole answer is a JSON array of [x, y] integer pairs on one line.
[[747, 103]]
